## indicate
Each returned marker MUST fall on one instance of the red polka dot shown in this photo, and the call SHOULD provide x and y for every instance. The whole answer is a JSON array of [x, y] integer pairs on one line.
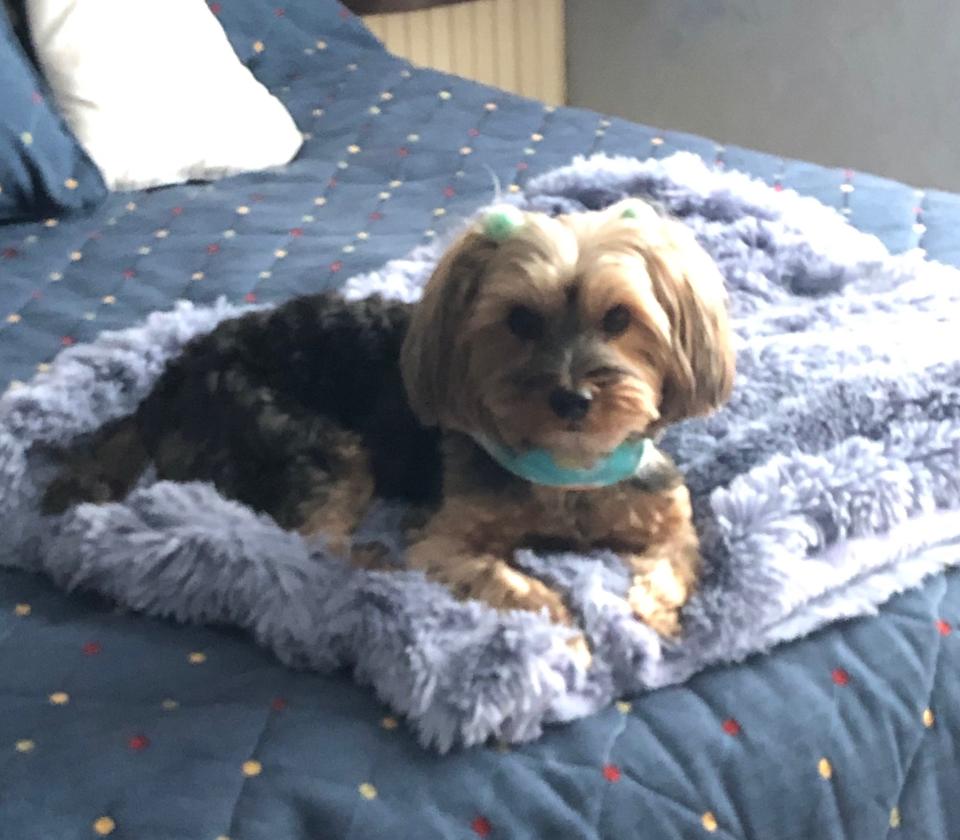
[[481, 826], [36, 294], [96, 235], [403, 151], [91, 648], [250, 297], [278, 704], [611, 772], [521, 166], [732, 727], [474, 132], [177, 211], [138, 742], [344, 12], [918, 211], [279, 12], [68, 340], [336, 265], [36, 97], [10, 253], [215, 8], [296, 232], [213, 248], [332, 183], [944, 627], [256, 197], [778, 187], [376, 216], [129, 273], [840, 676], [449, 192], [848, 174]]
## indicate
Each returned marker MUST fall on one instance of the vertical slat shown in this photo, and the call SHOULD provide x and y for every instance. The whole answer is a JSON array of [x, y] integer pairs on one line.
[[418, 37], [553, 71], [396, 34], [528, 46], [440, 47], [464, 41], [484, 29], [506, 45]]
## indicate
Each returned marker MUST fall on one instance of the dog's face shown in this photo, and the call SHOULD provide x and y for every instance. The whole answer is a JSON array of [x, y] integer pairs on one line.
[[574, 334]]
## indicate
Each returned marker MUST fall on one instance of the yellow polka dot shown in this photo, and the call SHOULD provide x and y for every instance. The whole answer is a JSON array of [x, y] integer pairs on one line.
[[929, 719], [104, 826], [373, 109], [348, 249], [131, 206], [491, 106], [22, 610], [824, 768], [197, 657], [109, 300], [15, 384], [252, 767], [384, 195], [143, 250], [279, 253], [466, 150], [395, 183], [549, 108], [24, 745], [71, 183], [342, 164], [306, 217], [846, 188], [26, 138], [709, 821], [258, 46], [265, 275], [362, 235], [353, 148], [536, 137], [75, 256], [624, 707], [197, 275], [168, 705], [56, 276], [162, 233], [445, 94], [413, 138], [319, 201], [439, 211], [894, 818], [386, 96], [59, 698], [321, 45], [242, 210], [389, 722], [656, 141], [513, 188], [89, 316], [51, 223], [43, 367], [367, 791], [13, 318], [229, 233], [222, 837]]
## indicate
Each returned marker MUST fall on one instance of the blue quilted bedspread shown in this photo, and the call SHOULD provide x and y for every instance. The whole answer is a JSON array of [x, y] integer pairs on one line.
[[115, 725]]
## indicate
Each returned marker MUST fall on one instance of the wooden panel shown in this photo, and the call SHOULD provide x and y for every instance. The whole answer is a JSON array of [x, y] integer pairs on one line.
[[517, 45]]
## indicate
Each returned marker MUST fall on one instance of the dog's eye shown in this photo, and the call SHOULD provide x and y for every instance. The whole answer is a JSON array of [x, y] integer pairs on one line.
[[525, 323], [616, 320]]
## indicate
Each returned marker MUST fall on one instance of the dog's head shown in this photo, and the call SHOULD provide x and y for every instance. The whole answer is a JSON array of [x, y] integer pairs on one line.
[[571, 334]]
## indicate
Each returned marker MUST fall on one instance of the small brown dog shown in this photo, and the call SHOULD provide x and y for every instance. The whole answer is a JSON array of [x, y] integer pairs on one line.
[[572, 335], [572, 340]]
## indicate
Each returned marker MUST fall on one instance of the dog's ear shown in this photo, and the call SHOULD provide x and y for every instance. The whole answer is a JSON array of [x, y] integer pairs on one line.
[[435, 356], [699, 369]]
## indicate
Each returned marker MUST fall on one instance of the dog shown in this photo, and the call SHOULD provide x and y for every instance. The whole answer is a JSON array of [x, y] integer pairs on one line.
[[567, 340]]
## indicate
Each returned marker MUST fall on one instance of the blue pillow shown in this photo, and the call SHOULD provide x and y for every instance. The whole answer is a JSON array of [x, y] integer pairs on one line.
[[43, 170]]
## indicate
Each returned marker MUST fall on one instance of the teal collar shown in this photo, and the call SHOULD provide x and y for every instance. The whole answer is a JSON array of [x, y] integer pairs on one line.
[[538, 466]]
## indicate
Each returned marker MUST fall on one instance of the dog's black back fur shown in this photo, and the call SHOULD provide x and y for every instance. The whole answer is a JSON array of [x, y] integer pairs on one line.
[[263, 407]]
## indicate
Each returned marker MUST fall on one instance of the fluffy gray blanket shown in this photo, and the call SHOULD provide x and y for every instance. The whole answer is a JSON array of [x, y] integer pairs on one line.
[[830, 481]]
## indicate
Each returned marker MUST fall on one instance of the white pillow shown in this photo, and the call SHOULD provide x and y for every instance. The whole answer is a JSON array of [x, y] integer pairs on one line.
[[155, 93]]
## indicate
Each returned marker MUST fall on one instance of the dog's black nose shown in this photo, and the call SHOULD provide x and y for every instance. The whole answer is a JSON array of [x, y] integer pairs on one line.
[[570, 405]]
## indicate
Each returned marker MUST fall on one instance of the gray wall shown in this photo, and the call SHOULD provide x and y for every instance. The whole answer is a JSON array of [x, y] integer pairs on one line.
[[872, 84]]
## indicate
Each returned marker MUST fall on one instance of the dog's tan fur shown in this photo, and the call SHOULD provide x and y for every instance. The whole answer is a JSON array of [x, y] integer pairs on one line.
[[466, 372]]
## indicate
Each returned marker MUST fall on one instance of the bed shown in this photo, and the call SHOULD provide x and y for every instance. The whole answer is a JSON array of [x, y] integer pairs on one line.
[[115, 724]]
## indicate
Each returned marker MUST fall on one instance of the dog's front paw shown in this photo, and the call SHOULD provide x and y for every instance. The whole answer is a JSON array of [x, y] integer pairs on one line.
[[656, 596], [580, 651]]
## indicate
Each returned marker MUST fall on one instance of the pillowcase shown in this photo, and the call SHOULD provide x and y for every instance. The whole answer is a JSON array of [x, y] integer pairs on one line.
[[43, 172], [155, 93]]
